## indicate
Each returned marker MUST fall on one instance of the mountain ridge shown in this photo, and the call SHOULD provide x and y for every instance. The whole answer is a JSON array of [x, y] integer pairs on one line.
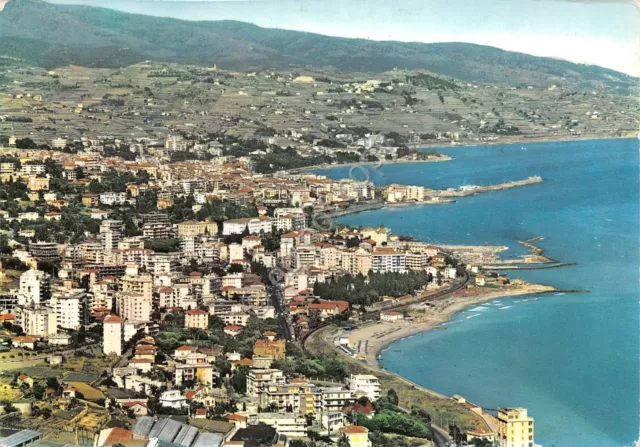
[[52, 35]]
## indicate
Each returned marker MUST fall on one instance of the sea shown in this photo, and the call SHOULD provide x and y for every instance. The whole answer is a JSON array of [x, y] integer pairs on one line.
[[572, 359]]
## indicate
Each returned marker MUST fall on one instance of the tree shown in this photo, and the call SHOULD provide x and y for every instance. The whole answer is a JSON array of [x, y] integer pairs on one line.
[[52, 383], [239, 379], [38, 391], [26, 143], [392, 396]]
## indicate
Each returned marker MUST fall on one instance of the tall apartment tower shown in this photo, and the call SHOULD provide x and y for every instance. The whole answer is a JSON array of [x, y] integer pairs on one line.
[[515, 428], [111, 231], [35, 287], [112, 335]]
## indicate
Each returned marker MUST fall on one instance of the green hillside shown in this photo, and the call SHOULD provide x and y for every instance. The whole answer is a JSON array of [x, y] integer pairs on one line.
[[54, 35]]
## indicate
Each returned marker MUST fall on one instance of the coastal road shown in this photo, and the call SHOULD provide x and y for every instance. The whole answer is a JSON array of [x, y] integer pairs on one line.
[[440, 437]]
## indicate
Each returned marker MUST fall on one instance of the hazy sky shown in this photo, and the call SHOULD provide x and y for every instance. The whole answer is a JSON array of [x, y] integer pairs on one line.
[[603, 32]]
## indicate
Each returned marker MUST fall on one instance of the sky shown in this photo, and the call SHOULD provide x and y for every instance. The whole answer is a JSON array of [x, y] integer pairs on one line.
[[601, 32]]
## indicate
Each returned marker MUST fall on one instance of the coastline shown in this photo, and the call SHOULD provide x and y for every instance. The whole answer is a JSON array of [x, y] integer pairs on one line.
[[442, 145], [507, 140], [326, 166], [324, 341], [380, 335]]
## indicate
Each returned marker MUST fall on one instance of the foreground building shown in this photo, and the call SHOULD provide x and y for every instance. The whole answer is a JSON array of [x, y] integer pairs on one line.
[[356, 435], [515, 428], [113, 335]]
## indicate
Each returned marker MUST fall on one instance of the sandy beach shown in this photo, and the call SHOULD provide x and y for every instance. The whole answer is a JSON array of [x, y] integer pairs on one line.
[[370, 339]]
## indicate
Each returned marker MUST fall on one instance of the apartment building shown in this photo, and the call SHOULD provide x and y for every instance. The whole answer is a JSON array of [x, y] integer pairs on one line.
[[196, 318], [133, 307], [111, 232], [365, 384], [356, 435], [141, 284], [71, 309], [258, 379], [38, 321], [112, 335], [384, 260], [515, 428], [35, 287], [194, 228]]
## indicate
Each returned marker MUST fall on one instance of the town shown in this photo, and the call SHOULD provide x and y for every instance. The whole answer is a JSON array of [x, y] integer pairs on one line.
[[172, 274], [169, 304]]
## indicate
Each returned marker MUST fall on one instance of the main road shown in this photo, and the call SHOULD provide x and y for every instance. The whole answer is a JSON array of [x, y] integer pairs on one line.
[[440, 437], [282, 314]]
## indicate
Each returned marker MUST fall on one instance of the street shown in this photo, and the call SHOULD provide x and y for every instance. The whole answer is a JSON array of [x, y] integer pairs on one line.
[[275, 292], [440, 437]]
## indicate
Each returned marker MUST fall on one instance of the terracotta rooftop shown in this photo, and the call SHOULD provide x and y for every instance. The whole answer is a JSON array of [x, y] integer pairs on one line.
[[112, 319], [354, 429]]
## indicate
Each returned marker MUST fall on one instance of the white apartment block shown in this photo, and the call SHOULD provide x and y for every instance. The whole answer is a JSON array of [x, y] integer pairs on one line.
[[113, 198], [112, 335], [385, 261], [38, 321], [365, 384], [258, 379], [111, 232], [71, 308], [34, 287]]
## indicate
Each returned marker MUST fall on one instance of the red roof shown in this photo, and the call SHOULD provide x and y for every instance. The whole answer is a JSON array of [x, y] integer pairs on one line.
[[201, 411], [355, 406], [118, 436], [236, 417], [113, 319], [354, 429], [184, 348], [196, 312]]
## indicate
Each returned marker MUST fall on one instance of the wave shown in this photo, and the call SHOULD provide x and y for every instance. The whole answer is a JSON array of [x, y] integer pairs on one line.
[[505, 307], [478, 309], [471, 316]]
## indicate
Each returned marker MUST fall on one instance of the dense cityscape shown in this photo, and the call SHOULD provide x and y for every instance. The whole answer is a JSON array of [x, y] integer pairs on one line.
[[171, 270]]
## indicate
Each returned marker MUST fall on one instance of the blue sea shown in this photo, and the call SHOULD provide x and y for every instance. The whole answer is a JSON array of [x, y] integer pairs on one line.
[[571, 359]]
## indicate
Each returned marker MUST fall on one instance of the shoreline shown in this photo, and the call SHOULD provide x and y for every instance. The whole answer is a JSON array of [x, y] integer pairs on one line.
[[327, 166], [441, 145], [383, 334], [466, 414], [558, 139]]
